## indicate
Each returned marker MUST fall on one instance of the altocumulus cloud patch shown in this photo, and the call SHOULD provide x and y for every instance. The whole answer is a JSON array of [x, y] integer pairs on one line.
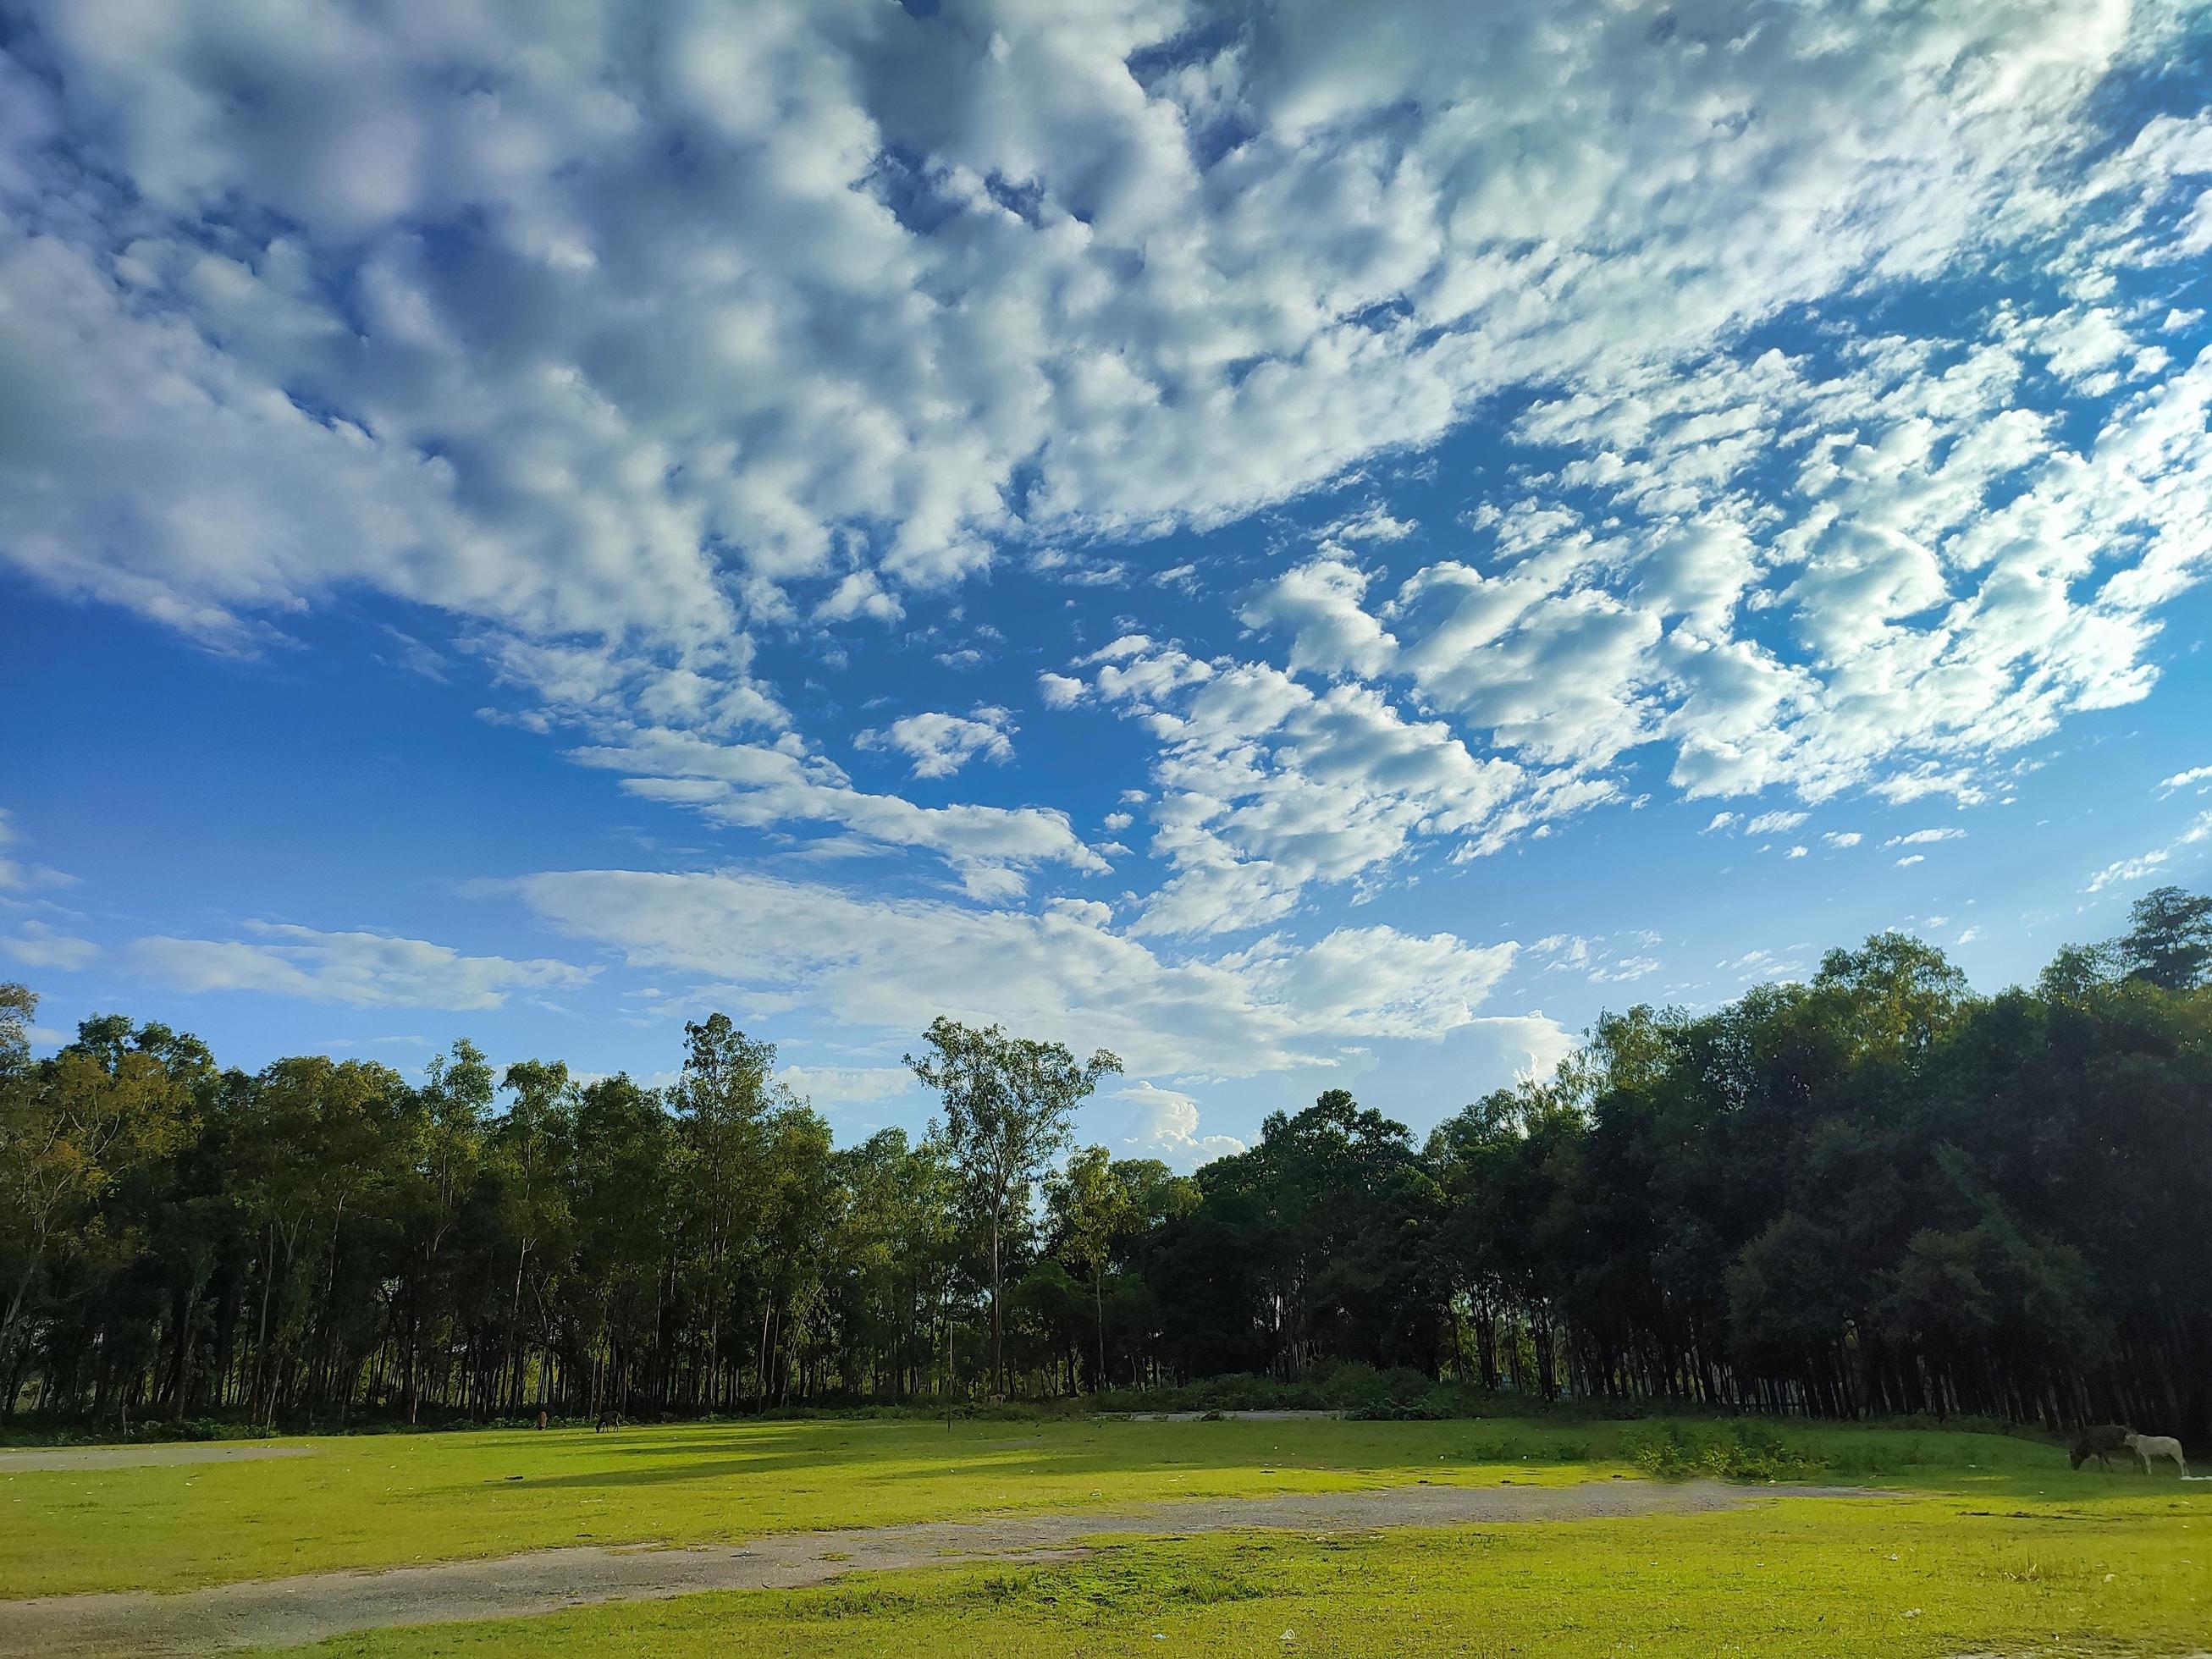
[[1824, 391]]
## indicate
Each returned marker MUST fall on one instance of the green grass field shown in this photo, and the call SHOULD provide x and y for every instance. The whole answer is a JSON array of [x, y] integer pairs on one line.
[[1991, 1544], [1815, 1577]]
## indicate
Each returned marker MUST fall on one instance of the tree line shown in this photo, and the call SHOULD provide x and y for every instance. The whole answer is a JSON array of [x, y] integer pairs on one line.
[[1873, 1192]]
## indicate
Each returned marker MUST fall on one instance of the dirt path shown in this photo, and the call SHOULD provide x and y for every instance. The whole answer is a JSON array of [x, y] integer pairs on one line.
[[282, 1612], [135, 1457], [1236, 1417]]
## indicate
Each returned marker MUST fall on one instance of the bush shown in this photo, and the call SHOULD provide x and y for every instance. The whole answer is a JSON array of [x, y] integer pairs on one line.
[[1721, 1451]]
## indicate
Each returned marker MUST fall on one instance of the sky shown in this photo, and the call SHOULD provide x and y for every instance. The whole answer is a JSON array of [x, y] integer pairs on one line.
[[1310, 546]]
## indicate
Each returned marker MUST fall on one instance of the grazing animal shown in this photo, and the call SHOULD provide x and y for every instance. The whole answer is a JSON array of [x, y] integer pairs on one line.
[[2100, 1441], [2147, 1446], [608, 1419], [541, 1419]]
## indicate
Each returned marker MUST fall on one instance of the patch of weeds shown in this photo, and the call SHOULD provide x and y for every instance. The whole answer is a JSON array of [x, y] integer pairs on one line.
[[1723, 1451]]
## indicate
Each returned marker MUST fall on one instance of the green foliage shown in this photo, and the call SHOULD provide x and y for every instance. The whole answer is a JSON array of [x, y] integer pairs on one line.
[[1871, 1194], [2168, 943], [1719, 1451]]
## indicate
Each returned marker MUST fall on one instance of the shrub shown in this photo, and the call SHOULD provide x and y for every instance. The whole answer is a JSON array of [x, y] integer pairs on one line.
[[1722, 1451]]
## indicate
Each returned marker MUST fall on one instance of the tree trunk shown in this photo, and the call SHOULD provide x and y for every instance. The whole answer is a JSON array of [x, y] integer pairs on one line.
[[997, 1327], [1098, 1288]]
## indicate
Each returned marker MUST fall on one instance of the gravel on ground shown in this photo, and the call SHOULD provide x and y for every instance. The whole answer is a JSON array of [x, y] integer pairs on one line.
[[136, 1457]]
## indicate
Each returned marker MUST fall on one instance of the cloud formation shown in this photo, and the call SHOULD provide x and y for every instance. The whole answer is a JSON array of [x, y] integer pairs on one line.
[[360, 969], [631, 353], [1002, 269], [940, 745], [896, 964]]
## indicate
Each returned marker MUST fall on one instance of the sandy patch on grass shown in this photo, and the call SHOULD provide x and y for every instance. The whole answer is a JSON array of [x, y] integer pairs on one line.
[[288, 1611], [135, 1457], [1233, 1417]]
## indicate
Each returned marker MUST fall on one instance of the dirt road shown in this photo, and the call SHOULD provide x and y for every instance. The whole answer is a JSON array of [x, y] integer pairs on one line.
[[282, 1612], [139, 1457]]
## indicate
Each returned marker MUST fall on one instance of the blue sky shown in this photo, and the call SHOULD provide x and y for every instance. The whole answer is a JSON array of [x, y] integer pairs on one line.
[[1310, 546]]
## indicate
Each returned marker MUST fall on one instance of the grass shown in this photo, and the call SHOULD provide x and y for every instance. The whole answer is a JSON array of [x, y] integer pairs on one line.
[[2000, 1547], [1913, 1577], [389, 1500]]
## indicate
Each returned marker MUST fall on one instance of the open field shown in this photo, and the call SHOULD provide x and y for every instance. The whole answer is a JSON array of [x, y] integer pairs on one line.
[[1961, 1542]]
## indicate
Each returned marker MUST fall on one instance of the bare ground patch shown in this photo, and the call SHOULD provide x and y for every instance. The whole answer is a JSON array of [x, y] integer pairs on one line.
[[284, 1611], [137, 1457], [1231, 1415]]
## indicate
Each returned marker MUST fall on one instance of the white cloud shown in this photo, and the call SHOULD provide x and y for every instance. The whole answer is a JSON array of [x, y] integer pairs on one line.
[[17, 876], [1318, 604], [1770, 823], [35, 944], [1374, 524], [940, 745], [1076, 570], [776, 786], [1624, 971], [1797, 851], [1843, 838], [847, 1086], [361, 969], [1162, 1123], [2194, 776], [859, 594], [895, 964], [621, 339], [1912, 858], [1059, 690], [1267, 785], [906, 294], [1757, 965], [1926, 837], [2123, 872]]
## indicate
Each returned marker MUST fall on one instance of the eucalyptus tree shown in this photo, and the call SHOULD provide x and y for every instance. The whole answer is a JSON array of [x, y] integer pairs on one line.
[[71, 1126], [1092, 1207], [623, 1227], [315, 1141], [18, 1006], [1009, 1103], [722, 1100], [803, 1204], [532, 1149], [448, 1145]]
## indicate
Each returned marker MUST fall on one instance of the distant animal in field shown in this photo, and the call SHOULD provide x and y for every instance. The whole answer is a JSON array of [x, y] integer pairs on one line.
[[541, 1419], [609, 1420], [2100, 1441], [2147, 1446]]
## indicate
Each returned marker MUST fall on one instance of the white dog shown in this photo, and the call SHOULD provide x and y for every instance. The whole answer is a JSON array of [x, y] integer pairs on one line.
[[2147, 1446]]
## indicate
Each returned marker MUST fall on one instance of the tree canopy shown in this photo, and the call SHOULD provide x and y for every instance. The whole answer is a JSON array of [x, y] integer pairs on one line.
[[1874, 1191]]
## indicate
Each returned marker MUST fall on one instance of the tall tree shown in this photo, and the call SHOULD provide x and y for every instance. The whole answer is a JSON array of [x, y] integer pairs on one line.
[[722, 1100], [18, 1006], [531, 1149], [1091, 1207], [1008, 1104], [2168, 943], [449, 1127], [69, 1127]]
